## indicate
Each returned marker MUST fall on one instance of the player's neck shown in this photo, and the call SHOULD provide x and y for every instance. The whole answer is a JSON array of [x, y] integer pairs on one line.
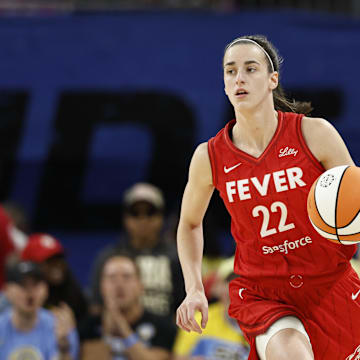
[[22, 321], [254, 129]]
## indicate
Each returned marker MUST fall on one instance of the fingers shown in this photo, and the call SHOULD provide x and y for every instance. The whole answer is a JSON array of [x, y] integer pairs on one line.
[[181, 320], [191, 320], [108, 322], [204, 316], [185, 317]]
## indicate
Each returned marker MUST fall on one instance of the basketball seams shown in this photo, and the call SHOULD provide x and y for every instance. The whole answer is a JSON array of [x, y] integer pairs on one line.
[[332, 200], [316, 219], [326, 195], [316, 206], [336, 202], [324, 233], [348, 202], [348, 225]]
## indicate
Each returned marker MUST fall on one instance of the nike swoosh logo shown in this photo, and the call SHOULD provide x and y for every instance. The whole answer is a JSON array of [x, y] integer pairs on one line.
[[355, 296], [240, 291], [227, 170]]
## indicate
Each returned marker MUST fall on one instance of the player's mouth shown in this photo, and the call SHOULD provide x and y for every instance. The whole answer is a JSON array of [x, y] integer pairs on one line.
[[241, 93]]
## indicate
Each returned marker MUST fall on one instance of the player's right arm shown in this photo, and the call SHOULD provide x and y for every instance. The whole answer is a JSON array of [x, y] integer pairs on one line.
[[196, 198]]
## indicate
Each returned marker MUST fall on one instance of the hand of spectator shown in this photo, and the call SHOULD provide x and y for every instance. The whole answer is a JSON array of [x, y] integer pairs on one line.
[[114, 321], [65, 323], [185, 315], [108, 324]]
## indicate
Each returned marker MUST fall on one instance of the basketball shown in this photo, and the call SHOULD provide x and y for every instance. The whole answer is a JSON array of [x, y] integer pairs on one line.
[[333, 204]]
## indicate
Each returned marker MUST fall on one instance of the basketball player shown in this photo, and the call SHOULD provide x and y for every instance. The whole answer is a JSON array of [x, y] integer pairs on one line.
[[296, 297]]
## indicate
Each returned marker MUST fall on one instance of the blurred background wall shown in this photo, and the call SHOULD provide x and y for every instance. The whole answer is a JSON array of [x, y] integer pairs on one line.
[[97, 95]]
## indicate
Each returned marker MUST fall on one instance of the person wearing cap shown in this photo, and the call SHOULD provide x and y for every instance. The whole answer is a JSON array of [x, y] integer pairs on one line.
[[27, 331], [124, 329], [143, 223], [48, 252], [222, 338]]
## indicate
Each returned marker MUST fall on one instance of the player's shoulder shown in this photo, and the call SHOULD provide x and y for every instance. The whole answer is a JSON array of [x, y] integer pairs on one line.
[[200, 166], [201, 154], [315, 128], [202, 149], [315, 124]]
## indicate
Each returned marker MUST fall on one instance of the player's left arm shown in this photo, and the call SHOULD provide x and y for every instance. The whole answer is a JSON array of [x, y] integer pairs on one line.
[[325, 142]]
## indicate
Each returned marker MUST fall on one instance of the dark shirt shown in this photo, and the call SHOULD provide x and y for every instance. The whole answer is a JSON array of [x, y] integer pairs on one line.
[[161, 275], [69, 292], [153, 330]]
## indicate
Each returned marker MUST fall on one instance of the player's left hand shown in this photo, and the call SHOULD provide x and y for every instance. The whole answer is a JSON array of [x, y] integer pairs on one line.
[[185, 315]]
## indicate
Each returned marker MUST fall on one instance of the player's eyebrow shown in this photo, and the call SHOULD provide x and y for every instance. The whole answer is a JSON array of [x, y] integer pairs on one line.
[[248, 62], [251, 62], [229, 63]]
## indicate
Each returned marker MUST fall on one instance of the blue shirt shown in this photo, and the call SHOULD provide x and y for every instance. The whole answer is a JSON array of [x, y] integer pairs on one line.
[[39, 343]]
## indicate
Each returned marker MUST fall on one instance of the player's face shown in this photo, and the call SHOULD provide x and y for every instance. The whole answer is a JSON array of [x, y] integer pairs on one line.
[[27, 297], [120, 283], [247, 80]]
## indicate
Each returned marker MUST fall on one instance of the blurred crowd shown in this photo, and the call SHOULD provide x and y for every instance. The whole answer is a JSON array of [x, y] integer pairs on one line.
[[129, 313], [128, 310]]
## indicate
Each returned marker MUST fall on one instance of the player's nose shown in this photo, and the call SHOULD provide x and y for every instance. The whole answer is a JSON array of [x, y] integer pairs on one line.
[[240, 79]]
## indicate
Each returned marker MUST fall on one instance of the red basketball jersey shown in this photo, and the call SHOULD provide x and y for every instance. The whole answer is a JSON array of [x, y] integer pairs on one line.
[[266, 198]]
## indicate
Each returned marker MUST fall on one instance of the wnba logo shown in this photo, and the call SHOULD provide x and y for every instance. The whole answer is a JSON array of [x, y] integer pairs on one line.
[[327, 180], [355, 355]]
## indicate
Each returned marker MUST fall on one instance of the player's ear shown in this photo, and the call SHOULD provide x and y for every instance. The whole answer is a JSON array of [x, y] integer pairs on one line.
[[274, 80]]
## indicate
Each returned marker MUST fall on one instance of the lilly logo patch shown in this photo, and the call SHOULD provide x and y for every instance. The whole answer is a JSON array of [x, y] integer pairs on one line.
[[287, 151]]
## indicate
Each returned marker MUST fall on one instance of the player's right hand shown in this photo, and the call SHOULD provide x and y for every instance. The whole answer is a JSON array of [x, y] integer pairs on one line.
[[185, 314]]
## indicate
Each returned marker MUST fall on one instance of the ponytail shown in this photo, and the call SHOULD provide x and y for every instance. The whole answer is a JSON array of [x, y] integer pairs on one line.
[[282, 103]]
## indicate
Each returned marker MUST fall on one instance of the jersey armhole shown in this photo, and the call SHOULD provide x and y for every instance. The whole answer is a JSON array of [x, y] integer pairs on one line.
[[212, 160], [311, 156]]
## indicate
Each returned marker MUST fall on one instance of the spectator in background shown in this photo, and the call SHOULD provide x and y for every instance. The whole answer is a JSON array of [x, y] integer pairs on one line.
[[222, 338], [26, 330], [12, 241], [143, 220], [125, 330], [18, 216], [48, 252]]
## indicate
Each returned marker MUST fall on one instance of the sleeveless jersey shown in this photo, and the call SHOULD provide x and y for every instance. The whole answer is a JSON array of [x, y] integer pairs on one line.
[[266, 198]]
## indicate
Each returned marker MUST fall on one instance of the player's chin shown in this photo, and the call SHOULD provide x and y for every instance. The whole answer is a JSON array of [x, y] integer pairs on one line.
[[243, 104]]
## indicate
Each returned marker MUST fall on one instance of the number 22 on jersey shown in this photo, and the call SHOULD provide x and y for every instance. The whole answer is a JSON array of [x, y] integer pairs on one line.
[[275, 206]]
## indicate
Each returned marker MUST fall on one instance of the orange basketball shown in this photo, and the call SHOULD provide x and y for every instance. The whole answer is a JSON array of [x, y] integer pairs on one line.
[[333, 204]]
